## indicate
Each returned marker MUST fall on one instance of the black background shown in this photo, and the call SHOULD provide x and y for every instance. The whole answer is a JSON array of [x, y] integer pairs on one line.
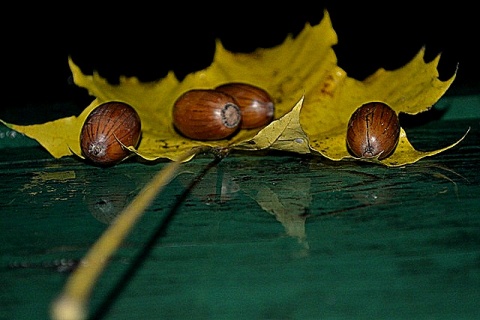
[[147, 41]]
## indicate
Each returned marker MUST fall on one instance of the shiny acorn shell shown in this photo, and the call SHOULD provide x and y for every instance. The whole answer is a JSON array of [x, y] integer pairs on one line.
[[103, 130], [206, 114], [256, 105], [373, 131]]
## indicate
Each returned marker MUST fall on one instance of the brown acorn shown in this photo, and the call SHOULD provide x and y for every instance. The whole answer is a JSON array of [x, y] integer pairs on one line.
[[373, 131], [256, 105], [104, 131], [204, 114]]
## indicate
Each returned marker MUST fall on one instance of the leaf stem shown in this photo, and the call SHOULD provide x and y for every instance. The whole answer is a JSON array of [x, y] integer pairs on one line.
[[72, 303]]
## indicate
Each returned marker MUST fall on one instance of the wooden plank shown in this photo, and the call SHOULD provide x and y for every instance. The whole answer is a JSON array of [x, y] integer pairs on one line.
[[264, 235]]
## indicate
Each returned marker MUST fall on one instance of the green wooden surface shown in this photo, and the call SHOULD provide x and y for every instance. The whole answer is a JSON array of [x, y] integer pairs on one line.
[[258, 236]]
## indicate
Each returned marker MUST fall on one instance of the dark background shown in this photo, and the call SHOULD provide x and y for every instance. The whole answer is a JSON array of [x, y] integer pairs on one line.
[[147, 41]]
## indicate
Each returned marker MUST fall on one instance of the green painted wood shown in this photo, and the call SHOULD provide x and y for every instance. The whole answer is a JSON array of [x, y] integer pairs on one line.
[[258, 236]]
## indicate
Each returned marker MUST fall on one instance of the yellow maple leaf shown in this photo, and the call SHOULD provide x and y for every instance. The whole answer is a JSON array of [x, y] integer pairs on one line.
[[313, 98], [412, 89]]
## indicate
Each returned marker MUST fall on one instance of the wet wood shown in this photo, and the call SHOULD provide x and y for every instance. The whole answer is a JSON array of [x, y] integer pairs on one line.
[[259, 236]]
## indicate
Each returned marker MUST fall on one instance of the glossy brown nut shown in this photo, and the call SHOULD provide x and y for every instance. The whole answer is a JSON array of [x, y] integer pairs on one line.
[[103, 130], [256, 105], [204, 114], [373, 131]]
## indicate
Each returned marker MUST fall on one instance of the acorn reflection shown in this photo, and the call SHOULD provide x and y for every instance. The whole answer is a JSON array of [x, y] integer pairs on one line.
[[106, 197], [106, 207], [215, 188]]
